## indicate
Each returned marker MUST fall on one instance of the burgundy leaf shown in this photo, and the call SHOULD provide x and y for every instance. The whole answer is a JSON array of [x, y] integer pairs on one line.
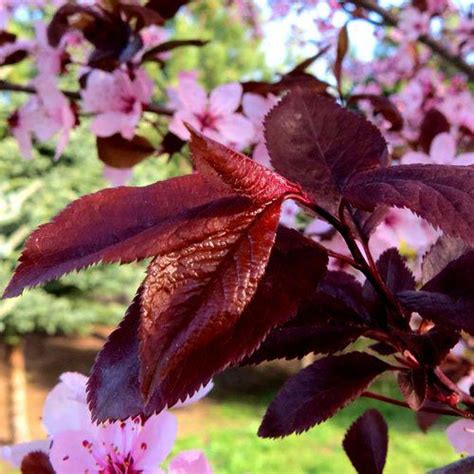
[[413, 385], [122, 225], [447, 299], [457, 313], [394, 271], [276, 300], [366, 443], [433, 124], [327, 322], [317, 392], [320, 145], [36, 462], [116, 371], [463, 466], [425, 420], [444, 251], [443, 195], [171, 144], [303, 65], [233, 172], [117, 152], [166, 8], [382, 105]]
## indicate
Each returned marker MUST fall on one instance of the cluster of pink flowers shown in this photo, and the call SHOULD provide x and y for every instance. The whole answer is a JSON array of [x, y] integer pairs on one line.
[[76, 444]]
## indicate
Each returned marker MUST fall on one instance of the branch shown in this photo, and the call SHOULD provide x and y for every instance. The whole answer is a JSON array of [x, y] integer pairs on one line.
[[392, 20], [393, 401], [9, 86]]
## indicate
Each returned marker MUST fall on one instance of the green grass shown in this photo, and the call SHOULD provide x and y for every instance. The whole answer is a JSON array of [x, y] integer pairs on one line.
[[229, 440]]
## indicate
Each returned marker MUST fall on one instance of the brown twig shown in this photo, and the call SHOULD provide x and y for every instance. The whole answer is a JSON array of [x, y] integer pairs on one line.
[[441, 50], [399, 403]]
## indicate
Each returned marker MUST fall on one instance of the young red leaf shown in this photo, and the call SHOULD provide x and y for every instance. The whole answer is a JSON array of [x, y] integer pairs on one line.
[[166, 8], [117, 152], [320, 145], [413, 385], [317, 392], [36, 462], [342, 48], [276, 300], [122, 225], [233, 172], [366, 443], [196, 297], [443, 195]]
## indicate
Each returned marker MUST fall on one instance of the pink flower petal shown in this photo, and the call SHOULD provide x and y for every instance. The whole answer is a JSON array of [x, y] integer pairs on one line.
[[413, 157], [255, 107], [461, 436], [191, 95], [465, 159], [236, 129], [117, 176], [110, 123], [261, 155], [177, 127], [65, 407], [72, 451], [225, 99], [155, 441], [190, 462], [443, 149]]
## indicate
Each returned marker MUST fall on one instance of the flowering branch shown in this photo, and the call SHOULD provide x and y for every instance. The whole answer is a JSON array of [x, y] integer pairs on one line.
[[391, 19]]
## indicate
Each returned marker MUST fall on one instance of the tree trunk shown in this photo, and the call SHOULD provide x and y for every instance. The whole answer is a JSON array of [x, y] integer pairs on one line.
[[19, 427]]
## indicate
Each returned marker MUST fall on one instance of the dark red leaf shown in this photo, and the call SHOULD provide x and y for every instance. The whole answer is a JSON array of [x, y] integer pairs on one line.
[[122, 225], [413, 385], [382, 105], [327, 322], [426, 420], [463, 466], [288, 82], [117, 152], [320, 145], [433, 124], [317, 392], [167, 8], [303, 65], [444, 251], [275, 301], [151, 54], [457, 313], [394, 271], [233, 172], [366, 443], [36, 462], [443, 195], [448, 298], [116, 371], [171, 144]]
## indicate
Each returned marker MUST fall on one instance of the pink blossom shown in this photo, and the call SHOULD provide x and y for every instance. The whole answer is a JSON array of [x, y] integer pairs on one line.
[[289, 212], [214, 115], [43, 116], [117, 176], [153, 36], [461, 436], [402, 229], [75, 444], [255, 107], [413, 23], [442, 152], [459, 109], [117, 101]]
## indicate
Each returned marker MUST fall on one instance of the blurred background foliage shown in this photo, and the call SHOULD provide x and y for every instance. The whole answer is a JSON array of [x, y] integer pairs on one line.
[[31, 192]]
